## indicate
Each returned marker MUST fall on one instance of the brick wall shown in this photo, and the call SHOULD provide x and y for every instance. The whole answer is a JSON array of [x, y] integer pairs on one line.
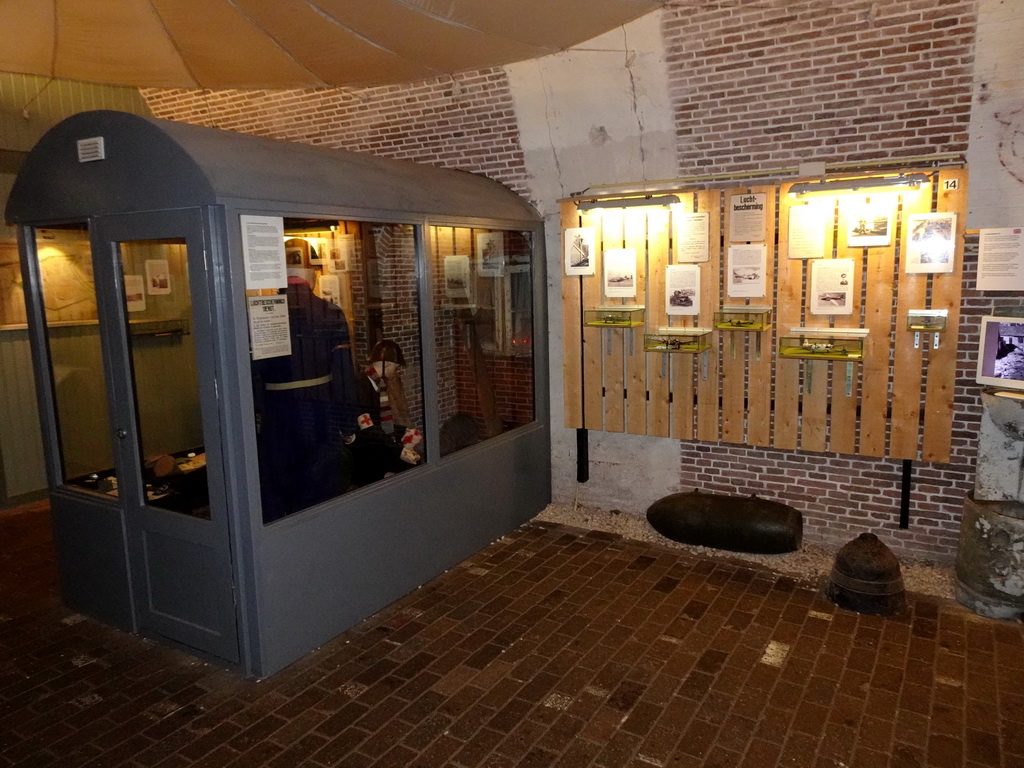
[[749, 88], [466, 121], [769, 86], [863, 82]]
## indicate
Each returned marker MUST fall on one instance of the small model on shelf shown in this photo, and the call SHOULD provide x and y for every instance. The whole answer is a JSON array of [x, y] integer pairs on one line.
[[614, 317], [669, 339], [928, 320], [824, 344], [745, 318]]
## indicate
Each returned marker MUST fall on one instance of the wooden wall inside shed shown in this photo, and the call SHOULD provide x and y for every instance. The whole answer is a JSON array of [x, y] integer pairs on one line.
[[897, 401]]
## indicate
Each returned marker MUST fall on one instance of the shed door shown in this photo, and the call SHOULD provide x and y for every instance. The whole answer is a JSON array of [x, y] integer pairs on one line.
[[165, 418]]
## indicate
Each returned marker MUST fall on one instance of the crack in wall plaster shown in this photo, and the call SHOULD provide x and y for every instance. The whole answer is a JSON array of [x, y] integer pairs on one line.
[[547, 119], [630, 60]]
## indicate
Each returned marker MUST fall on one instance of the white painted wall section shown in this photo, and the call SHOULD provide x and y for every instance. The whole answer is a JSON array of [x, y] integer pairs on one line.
[[995, 153], [597, 114]]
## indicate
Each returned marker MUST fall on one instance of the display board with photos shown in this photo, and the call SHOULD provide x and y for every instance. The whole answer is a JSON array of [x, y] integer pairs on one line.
[[860, 261]]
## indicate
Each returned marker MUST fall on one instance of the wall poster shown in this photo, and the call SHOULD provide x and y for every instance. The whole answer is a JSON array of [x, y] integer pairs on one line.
[[457, 277], [343, 247], [579, 251], [746, 271], [135, 293], [158, 277], [746, 218], [620, 273], [807, 231], [690, 236], [682, 289], [931, 246], [1001, 259], [831, 286], [269, 332], [263, 252]]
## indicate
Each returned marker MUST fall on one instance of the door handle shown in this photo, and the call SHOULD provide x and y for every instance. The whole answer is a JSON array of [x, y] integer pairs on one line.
[[121, 434]]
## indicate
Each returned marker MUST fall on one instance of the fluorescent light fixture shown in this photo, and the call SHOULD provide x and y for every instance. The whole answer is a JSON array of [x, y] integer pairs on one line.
[[627, 202], [910, 180]]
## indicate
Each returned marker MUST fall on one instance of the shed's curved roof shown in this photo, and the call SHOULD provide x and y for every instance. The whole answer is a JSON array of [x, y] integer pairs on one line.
[[154, 164]]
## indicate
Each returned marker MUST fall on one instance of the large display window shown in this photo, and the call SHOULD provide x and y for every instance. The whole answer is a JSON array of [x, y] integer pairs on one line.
[[340, 405], [483, 309]]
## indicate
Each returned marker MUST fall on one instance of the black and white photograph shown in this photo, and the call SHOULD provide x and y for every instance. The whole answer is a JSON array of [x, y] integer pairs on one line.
[[457, 277], [1009, 358], [831, 283], [579, 251], [869, 223], [746, 269], [158, 277], [931, 243], [620, 273], [490, 249], [682, 289]]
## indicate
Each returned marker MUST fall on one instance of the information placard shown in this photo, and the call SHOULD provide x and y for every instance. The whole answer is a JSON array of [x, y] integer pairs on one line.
[[269, 332], [263, 252], [1001, 259]]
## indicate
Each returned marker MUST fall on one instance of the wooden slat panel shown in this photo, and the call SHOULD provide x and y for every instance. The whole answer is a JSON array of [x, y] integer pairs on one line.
[[878, 319], [613, 377], [593, 400], [633, 338], [572, 331], [658, 421], [710, 280], [907, 389], [788, 313], [464, 246], [759, 371], [681, 367], [939, 389], [843, 406], [732, 350], [814, 405]]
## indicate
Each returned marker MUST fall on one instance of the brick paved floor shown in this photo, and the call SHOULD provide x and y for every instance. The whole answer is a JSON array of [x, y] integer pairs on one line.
[[553, 647]]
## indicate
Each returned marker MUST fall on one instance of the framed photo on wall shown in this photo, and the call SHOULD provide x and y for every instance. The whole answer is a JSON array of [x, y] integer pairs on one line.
[[931, 243], [579, 251], [870, 222], [490, 250], [620, 273], [458, 280], [682, 289], [832, 285]]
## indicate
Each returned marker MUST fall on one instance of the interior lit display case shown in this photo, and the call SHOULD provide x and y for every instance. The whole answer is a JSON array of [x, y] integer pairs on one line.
[[748, 318], [927, 320], [846, 344], [678, 339], [614, 317]]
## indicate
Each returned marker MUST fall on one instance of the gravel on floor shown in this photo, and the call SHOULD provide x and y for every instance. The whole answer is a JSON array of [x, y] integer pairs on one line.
[[809, 564]]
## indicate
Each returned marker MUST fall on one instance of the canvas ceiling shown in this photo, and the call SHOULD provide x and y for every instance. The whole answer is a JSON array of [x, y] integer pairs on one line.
[[290, 43]]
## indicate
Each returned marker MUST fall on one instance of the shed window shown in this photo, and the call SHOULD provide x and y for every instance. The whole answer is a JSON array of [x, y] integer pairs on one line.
[[344, 409], [483, 307]]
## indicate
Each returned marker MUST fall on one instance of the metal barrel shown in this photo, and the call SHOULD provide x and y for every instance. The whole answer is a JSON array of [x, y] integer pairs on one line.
[[990, 558]]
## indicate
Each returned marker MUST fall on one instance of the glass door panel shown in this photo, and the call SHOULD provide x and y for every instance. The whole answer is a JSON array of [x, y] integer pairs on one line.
[[76, 357], [162, 349]]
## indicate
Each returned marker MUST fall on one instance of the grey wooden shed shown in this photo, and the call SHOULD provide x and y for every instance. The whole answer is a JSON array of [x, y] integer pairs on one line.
[[165, 268]]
